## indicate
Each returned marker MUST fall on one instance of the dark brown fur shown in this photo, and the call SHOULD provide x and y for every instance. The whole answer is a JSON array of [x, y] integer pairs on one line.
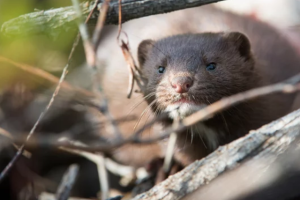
[[275, 60], [237, 70]]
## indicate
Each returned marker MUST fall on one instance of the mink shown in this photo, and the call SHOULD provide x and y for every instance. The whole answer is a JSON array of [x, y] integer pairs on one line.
[[270, 52], [187, 72]]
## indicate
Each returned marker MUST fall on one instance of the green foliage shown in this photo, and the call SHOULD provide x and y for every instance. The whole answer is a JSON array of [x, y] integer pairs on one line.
[[43, 51]]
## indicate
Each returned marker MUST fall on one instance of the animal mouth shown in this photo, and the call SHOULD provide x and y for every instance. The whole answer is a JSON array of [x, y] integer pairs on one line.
[[182, 106], [181, 100]]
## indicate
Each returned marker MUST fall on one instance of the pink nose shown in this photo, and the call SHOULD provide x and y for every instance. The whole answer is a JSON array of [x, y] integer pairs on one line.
[[182, 84]]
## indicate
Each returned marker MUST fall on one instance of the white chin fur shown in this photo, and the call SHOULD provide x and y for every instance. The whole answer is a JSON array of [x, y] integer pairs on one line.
[[182, 110]]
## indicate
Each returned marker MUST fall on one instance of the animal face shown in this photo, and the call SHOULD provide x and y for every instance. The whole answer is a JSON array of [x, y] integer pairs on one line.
[[187, 72]]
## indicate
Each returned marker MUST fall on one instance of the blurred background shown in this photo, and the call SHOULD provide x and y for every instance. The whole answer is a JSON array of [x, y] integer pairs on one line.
[[49, 52]]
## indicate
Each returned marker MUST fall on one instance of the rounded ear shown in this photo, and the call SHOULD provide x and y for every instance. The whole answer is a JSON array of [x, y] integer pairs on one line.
[[241, 42], [144, 47]]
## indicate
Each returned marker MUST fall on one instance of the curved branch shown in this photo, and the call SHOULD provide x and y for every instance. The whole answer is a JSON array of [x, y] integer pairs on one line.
[[54, 20], [270, 140]]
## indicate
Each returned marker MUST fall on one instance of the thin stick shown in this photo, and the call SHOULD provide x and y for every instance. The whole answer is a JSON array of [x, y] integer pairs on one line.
[[88, 47], [99, 160], [91, 57], [60, 83], [78, 34], [170, 148], [67, 183], [21, 149], [134, 73], [100, 23], [92, 11], [130, 82], [122, 44], [103, 176], [61, 17], [124, 48], [289, 86], [120, 19]]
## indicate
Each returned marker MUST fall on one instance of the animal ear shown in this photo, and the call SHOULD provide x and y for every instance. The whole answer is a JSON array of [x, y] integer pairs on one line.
[[143, 50], [241, 42]]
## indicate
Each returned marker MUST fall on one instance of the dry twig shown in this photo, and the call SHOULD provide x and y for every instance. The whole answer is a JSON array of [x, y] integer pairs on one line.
[[67, 183], [269, 141], [88, 47], [288, 86], [21, 149], [44, 112], [54, 19], [98, 159], [100, 23], [48, 196], [134, 72], [170, 148], [91, 57]]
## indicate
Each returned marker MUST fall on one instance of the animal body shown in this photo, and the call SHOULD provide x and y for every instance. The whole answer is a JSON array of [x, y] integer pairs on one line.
[[194, 57], [191, 58]]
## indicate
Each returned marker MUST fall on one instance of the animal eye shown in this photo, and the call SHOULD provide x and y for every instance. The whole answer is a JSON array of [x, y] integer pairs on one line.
[[161, 69], [211, 66]]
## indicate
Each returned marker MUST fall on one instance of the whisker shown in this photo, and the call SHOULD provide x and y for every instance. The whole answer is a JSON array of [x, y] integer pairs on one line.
[[156, 113], [200, 135], [194, 97], [143, 113], [222, 115], [192, 135], [140, 102], [186, 136]]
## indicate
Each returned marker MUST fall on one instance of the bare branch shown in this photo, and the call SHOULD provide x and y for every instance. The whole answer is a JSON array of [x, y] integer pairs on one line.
[[134, 73], [170, 148], [88, 47], [21, 149], [48, 196], [37, 72], [99, 160], [273, 138], [90, 52], [52, 20], [288, 86], [100, 23], [44, 112], [67, 183]]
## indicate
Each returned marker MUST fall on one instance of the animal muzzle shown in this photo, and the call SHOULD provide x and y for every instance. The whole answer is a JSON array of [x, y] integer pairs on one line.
[[182, 84]]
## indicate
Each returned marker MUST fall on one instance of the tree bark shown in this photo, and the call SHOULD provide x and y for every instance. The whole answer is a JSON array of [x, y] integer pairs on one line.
[[62, 19], [266, 143]]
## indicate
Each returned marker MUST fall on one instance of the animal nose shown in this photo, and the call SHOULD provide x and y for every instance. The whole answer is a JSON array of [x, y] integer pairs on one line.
[[182, 84]]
